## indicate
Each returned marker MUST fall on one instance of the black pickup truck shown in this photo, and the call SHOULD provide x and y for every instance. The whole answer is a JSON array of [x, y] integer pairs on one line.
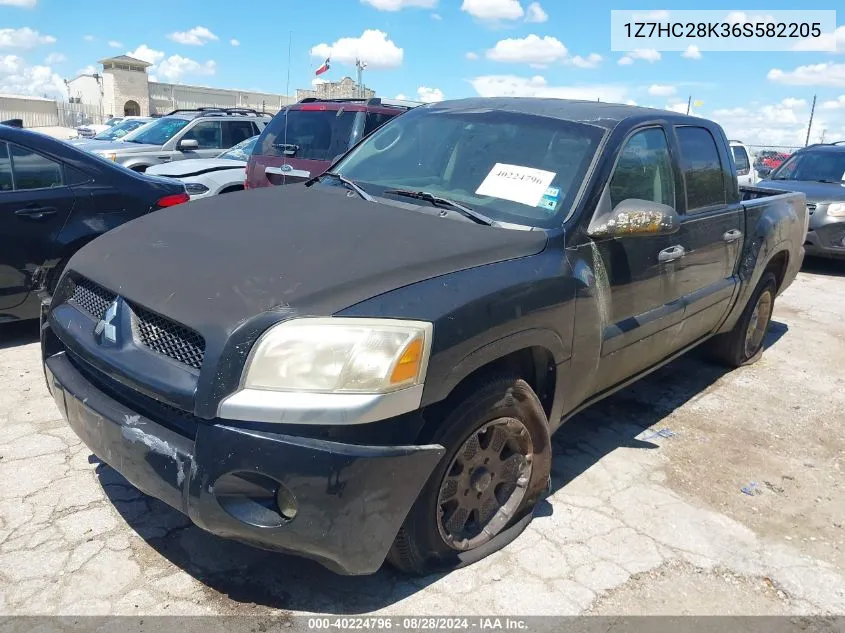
[[369, 365]]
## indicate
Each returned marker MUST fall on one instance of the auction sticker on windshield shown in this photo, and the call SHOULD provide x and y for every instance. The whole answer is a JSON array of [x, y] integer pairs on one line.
[[516, 183]]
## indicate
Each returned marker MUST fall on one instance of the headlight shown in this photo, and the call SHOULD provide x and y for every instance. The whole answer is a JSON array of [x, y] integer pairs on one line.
[[112, 156], [836, 210], [340, 355], [195, 188]]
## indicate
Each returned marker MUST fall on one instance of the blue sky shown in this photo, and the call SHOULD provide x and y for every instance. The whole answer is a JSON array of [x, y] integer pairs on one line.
[[430, 49]]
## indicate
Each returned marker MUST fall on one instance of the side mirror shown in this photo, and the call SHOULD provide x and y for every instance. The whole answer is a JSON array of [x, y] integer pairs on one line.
[[633, 217], [189, 144]]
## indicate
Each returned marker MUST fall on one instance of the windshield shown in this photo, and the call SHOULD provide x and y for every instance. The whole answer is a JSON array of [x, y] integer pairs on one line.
[[812, 165], [516, 168], [310, 134], [159, 132], [119, 130], [114, 121], [241, 151]]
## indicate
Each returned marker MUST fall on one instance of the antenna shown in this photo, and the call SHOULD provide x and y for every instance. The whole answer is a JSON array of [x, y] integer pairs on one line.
[[287, 88]]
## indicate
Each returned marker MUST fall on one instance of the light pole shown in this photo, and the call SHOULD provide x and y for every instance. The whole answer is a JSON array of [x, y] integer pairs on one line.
[[360, 66]]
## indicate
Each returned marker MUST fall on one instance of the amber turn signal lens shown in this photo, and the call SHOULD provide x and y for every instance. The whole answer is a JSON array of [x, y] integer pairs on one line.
[[409, 363]]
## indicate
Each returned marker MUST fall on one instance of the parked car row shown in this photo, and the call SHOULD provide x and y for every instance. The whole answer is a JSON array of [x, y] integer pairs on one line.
[[367, 363]]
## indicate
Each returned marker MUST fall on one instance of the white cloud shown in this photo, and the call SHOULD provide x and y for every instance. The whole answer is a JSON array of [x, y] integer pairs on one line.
[[740, 17], [24, 38], [401, 97], [528, 50], [646, 54], [678, 106], [781, 123], [197, 36], [90, 69], [115, 44], [651, 15], [537, 86], [437, 16], [472, 56], [831, 42], [18, 77], [26, 4], [493, 10], [398, 5], [318, 81], [590, 61], [55, 58], [373, 47], [834, 104], [535, 14], [234, 42], [429, 95], [88, 38], [826, 74], [692, 52], [175, 67], [147, 54], [658, 90]]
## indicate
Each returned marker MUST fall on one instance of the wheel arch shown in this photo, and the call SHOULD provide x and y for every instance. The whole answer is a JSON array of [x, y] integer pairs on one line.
[[532, 355]]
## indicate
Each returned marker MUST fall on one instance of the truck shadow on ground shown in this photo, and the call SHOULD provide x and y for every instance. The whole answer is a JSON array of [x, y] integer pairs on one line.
[[252, 578], [18, 333]]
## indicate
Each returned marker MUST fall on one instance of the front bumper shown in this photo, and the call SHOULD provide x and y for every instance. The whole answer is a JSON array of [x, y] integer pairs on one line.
[[827, 240], [349, 500]]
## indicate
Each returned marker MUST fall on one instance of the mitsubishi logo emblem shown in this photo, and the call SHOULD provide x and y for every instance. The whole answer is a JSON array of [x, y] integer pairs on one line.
[[105, 327]]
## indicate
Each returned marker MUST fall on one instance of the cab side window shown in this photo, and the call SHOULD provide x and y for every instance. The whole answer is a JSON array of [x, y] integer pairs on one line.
[[644, 170], [702, 168], [375, 121]]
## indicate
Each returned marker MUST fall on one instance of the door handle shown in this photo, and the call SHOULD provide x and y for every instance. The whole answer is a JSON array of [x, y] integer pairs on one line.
[[36, 213], [166, 159], [732, 236], [671, 254]]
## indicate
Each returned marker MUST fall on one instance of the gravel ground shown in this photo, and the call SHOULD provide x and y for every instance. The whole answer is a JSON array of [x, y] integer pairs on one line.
[[639, 522]]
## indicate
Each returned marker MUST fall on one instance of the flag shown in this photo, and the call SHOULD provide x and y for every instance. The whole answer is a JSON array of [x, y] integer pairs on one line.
[[324, 68], [698, 104]]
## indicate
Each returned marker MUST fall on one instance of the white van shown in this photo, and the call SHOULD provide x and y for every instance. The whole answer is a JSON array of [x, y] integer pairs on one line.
[[745, 172]]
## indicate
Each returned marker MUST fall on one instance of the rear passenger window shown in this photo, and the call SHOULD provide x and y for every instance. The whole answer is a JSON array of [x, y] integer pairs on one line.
[[5, 168], [644, 170], [702, 168], [236, 131], [33, 171]]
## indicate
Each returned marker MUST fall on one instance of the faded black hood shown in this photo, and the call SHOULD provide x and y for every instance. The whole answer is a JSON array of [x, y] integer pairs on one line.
[[215, 263]]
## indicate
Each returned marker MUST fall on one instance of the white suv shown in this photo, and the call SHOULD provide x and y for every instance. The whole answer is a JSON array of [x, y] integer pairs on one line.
[[745, 172], [183, 134]]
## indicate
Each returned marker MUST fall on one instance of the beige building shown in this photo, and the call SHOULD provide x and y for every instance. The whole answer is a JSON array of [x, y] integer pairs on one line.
[[124, 89]]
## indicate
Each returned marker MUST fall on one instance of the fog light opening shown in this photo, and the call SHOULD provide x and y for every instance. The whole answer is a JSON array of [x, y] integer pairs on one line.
[[286, 503]]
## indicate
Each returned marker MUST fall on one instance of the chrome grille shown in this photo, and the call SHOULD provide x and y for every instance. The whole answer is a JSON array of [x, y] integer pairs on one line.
[[167, 338], [89, 297]]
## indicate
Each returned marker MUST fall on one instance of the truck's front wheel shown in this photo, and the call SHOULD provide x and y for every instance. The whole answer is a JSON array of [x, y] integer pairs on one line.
[[495, 470]]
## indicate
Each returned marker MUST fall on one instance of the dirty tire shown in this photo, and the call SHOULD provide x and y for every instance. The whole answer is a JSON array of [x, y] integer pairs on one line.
[[501, 411], [734, 348]]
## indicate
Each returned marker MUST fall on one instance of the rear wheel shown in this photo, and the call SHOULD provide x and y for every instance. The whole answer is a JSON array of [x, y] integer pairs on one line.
[[743, 345], [495, 470]]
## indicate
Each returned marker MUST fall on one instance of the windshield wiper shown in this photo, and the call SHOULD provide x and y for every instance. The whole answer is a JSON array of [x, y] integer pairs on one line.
[[475, 216], [830, 182], [349, 184]]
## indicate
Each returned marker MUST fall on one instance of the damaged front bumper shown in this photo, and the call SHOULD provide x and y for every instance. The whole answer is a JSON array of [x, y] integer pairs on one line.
[[339, 504]]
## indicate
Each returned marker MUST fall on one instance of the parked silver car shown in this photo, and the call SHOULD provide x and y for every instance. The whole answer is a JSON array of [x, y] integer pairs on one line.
[[184, 134]]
